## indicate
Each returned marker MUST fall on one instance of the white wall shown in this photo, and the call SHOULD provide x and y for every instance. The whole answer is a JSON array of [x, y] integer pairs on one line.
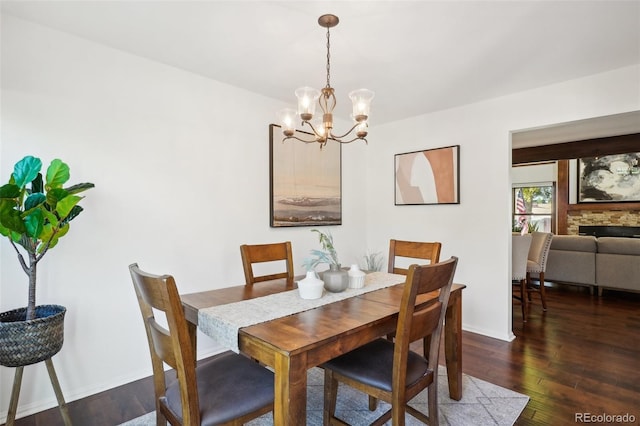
[[181, 168], [182, 180], [478, 230]]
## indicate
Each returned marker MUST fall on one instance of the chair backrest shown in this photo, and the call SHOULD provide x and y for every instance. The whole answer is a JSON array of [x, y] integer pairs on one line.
[[539, 250], [520, 245], [259, 253], [419, 320], [171, 346], [413, 250]]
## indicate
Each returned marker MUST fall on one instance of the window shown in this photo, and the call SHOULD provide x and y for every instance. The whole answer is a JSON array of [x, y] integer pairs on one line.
[[534, 207]]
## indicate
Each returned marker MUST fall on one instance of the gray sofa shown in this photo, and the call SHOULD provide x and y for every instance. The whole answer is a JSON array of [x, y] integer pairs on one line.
[[602, 263]]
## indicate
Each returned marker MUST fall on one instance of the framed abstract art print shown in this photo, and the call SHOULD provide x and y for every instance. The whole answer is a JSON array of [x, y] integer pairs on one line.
[[431, 176]]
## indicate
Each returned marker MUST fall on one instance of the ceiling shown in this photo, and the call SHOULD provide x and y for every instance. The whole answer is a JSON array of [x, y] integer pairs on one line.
[[418, 56]]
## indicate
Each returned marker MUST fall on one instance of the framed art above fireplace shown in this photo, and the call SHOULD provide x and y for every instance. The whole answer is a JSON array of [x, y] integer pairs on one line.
[[609, 178]]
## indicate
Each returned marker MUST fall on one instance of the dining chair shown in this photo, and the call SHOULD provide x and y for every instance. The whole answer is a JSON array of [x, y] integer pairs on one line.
[[537, 264], [225, 389], [260, 253], [391, 371], [409, 251], [520, 245], [414, 250]]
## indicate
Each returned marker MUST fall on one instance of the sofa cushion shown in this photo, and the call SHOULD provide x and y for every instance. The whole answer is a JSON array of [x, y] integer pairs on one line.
[[617, 263], [619, 245], [586, 243], [572, 259], [618, 271], [571, 266]]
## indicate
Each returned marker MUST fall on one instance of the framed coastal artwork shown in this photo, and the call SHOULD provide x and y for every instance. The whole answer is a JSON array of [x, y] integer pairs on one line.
[[609, 179], [305, 181], [431, 176]]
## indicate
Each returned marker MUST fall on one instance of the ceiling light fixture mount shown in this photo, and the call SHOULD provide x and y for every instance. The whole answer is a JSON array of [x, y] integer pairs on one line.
[[307, 97]]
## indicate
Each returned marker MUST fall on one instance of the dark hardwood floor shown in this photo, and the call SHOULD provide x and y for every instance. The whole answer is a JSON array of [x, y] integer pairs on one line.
[[581, 356]]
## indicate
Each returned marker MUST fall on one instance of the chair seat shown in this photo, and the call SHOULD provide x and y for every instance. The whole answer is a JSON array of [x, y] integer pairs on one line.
[[372, 364], [223, 385]]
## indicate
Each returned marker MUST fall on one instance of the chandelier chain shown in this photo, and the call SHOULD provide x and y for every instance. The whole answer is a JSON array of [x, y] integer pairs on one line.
[[328, 58]]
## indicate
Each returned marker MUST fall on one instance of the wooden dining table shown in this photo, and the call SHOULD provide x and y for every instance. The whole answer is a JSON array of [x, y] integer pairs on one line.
[[295, 343]]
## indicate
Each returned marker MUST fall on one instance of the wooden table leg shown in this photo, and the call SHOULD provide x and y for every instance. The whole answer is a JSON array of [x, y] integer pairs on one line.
[[453, 344], [290, 406]]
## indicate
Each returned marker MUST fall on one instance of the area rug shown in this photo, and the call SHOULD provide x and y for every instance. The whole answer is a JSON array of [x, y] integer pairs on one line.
[[482, 403]]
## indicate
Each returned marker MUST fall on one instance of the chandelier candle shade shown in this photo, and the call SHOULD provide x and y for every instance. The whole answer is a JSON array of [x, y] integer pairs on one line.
[[309, 97]]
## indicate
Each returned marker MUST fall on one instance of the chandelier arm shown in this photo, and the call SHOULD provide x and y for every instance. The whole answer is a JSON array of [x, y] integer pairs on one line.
[[307, 122], [349, 141], [315, 132], [301, 140], [346, 134]]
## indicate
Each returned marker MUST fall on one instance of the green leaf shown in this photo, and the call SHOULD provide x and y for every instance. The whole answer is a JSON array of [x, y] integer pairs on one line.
[[75, 211], [4, 231], [26, 170], [79, 187], [11, 218], [55, 195], [34, 200], [48, 234], [57, 174], [50, 217], [64, 206], [34, 223], [9, 191], [36, 184]]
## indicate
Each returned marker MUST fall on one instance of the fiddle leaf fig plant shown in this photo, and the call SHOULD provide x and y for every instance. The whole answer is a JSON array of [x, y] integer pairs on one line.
[[35, 213]]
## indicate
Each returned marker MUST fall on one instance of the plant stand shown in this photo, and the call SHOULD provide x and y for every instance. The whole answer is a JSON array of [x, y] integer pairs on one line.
[[15, 394], [26, 342]]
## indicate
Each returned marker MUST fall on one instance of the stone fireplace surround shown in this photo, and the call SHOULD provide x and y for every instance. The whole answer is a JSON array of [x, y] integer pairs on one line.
[[604, 218]]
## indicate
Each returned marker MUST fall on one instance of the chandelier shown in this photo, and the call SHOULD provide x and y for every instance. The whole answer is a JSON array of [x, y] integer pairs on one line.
[[322, 128]]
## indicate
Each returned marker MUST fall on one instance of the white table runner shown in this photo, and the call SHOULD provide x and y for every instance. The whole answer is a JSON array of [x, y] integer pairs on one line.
[[223, 322]]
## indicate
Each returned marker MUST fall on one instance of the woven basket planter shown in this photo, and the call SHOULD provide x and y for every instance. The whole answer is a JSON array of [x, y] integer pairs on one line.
[[29, 342]]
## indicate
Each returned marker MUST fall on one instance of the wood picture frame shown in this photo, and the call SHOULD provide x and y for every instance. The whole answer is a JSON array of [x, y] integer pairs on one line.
[[305, 182], [609, 178], [430, 176]]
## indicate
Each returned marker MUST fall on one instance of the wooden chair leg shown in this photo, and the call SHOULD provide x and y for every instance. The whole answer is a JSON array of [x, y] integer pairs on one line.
[[15, 394], [433, 402], [524, 299], [543, 295], [64, 411]]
